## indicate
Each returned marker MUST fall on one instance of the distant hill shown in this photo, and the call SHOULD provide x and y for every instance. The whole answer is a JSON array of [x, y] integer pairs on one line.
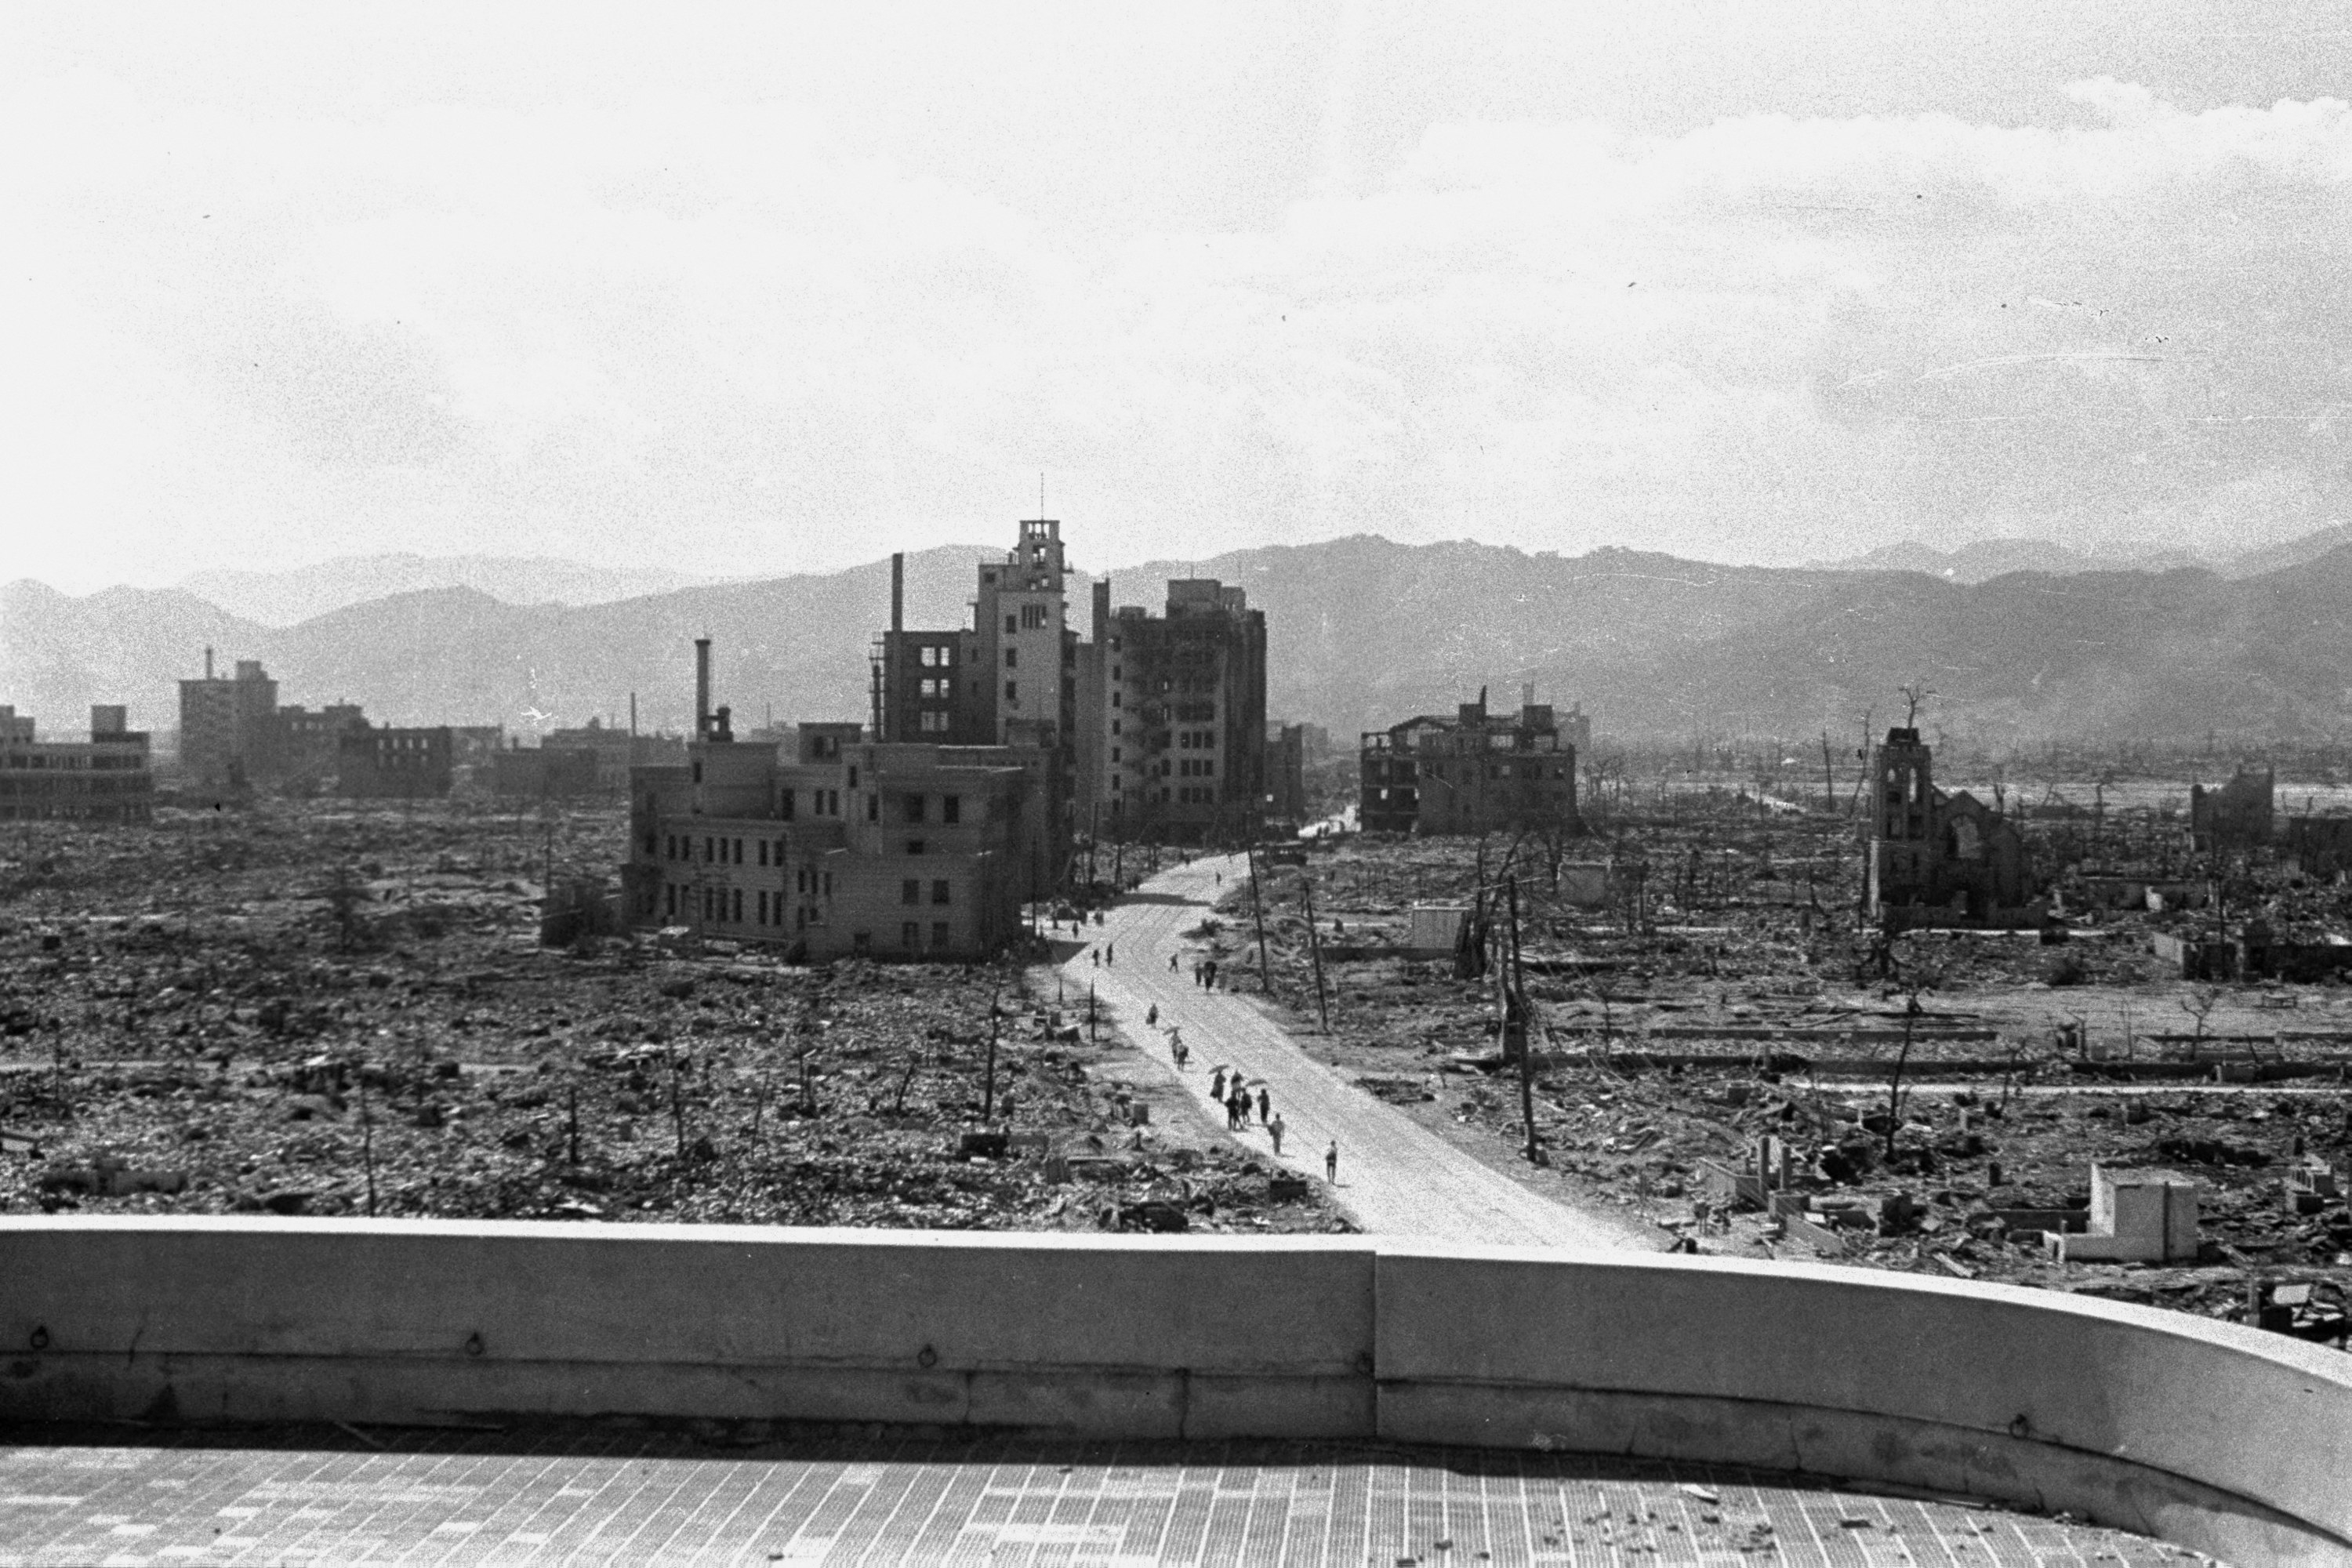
[[1983, 560], [286, 598], [58, 655], [1363, 632]]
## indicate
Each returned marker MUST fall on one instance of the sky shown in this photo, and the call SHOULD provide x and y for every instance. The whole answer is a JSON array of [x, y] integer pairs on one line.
[[769, 289]]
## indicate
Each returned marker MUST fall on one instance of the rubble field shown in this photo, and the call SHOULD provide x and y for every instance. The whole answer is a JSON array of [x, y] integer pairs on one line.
[[1941, 1096], [307, 1008]]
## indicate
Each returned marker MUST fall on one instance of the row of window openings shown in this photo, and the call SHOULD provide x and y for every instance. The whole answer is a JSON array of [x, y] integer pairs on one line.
[[724, 906]]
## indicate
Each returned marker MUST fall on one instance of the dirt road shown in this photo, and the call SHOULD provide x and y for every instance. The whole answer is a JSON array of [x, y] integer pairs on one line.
[[1394, 1177]]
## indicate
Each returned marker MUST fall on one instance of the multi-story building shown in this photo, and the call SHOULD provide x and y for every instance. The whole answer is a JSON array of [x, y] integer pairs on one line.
[[1474, 772], [847, 846], [1172, 746], [230, 737], [391, 764], [616, 750], [307, 745], [1008, 679], [104, 779], [1286, 772]]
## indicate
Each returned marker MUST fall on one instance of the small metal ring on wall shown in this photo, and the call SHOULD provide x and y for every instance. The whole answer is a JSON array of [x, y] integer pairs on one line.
[[473, 1344], [927, 1358], [41, 1337]]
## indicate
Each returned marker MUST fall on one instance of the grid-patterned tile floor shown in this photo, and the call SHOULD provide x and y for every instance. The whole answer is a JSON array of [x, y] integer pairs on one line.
[[601, 1494]]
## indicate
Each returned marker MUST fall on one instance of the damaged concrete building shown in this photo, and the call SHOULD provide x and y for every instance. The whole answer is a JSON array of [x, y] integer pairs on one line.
[[2236, 818], [2322, 846], [234, 735], [1935, 858], [1156, 723], [106, 778], [1474, 772], [846, 846]]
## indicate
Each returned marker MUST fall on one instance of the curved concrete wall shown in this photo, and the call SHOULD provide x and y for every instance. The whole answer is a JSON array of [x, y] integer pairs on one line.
[[2212, 1436]]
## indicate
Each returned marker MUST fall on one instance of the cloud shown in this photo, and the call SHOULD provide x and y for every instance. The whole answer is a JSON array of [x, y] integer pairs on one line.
[[706, 334]]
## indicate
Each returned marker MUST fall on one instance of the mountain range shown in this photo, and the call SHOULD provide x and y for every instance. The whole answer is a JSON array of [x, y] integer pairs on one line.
[[1983, 560], [1363, 632], [298, 593]]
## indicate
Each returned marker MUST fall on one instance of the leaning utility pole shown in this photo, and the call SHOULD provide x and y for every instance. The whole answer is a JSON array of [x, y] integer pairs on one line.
[[1258, 908], [1515, 1027], [1315, 948]]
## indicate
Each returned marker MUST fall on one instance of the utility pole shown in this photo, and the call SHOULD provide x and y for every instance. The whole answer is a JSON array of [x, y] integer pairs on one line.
[[1315, 949], [1515, 1027], [1258, 909], [987, 1086]]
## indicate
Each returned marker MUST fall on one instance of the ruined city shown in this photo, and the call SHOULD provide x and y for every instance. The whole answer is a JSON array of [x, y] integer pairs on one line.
[[1515, 789]]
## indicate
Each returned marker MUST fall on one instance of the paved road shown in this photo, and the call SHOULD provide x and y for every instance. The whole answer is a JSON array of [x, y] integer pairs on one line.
[[1395, 1177]]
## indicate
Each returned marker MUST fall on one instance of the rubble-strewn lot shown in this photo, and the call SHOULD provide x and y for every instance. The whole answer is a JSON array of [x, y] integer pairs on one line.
[[308, 1009], [1738, 999]]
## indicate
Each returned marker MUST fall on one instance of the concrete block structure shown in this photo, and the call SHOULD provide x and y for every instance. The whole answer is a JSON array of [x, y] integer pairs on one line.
[[2234, 818], [2322, 846], [395, 764], [2137, 1216], [1286, 772], [1156, 723], [228, 733], [1940, 858], [844, 847], [1474, 772], [1174, 739], [106, 778]]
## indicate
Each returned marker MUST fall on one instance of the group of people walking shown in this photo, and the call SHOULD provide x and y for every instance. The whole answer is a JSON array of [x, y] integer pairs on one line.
[[1227, 1086]]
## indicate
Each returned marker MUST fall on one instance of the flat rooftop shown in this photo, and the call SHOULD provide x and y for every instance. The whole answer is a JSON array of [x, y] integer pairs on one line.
[[605, 1493]]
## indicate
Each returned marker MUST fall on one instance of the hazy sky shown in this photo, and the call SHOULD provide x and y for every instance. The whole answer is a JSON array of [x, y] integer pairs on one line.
[[775, 290]]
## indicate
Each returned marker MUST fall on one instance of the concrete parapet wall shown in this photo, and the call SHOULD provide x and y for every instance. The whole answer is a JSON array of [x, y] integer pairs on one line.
[[2213, 1436]]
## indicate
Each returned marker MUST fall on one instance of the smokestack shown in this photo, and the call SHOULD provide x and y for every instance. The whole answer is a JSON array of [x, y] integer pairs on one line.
[[633, 715], [702, 689], [208, 661], [897, 590], [1527, 695]]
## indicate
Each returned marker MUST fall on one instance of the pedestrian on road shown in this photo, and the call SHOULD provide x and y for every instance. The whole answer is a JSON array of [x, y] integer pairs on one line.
[[1220, 878], [1110, 952], [1331, 1163], [1264, 1104], [1212, 975], [1274, 1129], [1171, 964], [1152, 1016], [1237, 1111], [1177, 1048], [1217, 1085], [1094, 956]]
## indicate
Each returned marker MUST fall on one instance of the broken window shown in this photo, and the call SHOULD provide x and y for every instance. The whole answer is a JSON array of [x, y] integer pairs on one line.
[[939, 934], [911, 891], [940, 891], [914, 808], [950, 808], [907, 931]]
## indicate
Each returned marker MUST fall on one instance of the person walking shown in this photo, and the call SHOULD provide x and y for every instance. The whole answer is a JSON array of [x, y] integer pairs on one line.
[[1152, 1016], [1217, 1085], [1212, 975], [1110, 952], [1274, 1130], [1179, 1050], [1331, 1163], [1094, 956], [1171, 964], [1264, 1104]]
